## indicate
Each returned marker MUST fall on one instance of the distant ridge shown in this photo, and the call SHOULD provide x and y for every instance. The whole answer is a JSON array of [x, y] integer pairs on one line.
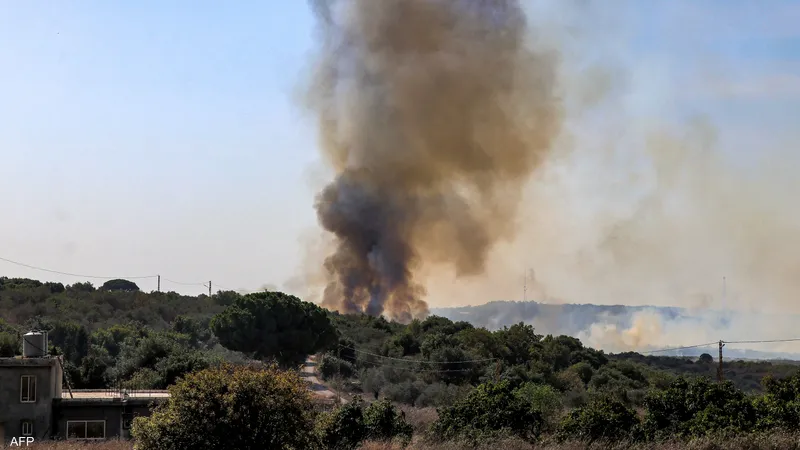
[[573, 319]]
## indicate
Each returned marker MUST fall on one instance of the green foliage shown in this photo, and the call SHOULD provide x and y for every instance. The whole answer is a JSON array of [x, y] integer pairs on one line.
[[9, 344], [349, 425], [542, 399], [343, 428], [157, 360], [780, 405], [331, 366], [71, 338], [604, 418], [489, 408], [23, 300], [274, 325], [119, 285], [698, 407], [231, 407], [118, 336], [383, 422]]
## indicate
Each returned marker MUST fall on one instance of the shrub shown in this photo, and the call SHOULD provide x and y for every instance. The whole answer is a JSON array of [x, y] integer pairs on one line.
[[490, 408], [331, 366], [698, 407], [342, 428], [349, 425], [384, 422], [604, 418], [9, 345], [243, 407], [542, 399]]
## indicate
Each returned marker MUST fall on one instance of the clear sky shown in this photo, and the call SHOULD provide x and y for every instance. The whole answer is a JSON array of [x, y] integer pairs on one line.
[[162, 137]]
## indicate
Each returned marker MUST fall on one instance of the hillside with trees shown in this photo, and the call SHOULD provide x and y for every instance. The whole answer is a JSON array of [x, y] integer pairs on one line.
[[478, 385]]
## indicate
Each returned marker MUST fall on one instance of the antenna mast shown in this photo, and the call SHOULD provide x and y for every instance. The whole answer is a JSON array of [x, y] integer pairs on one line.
[[525, 288]]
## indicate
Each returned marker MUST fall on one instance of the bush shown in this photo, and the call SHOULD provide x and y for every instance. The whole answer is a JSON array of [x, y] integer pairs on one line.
[[440, 394], [348, 426], [604, 418], [384, 422], [489, 409], [404, 392], [9, 345], [242, 407], [542, 399], [331, 366], [343, 428], [698, 407]]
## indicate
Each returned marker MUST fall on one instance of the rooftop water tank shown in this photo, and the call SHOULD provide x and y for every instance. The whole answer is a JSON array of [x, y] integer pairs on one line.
[[34, 344]]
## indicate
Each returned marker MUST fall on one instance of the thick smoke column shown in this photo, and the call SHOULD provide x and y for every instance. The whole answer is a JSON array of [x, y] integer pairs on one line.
[[433, 115]]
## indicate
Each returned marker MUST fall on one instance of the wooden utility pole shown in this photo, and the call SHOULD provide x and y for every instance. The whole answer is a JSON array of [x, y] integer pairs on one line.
[[719, 368], [209, 288], [159, 284]]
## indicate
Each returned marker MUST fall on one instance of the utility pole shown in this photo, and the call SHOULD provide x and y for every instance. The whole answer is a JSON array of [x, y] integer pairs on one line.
[[159, 284], [209, 288], [719, 369], [525, 288]]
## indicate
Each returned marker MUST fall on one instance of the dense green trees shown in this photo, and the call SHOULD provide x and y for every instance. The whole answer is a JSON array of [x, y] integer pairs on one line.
[[240, 407], [118, 336], [120, 285], [485, 384], [274, 325], [490, 408], [349, 425]]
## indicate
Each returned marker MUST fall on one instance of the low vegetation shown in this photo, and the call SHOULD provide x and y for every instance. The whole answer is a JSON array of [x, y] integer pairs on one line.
[[433, 383]]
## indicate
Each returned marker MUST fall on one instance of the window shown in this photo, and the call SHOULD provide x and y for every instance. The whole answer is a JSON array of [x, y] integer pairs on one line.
[[27, 428], [27, 389], [86, 429]]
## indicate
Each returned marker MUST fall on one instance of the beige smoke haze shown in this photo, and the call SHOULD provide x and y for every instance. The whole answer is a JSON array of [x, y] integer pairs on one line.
[[433, 116], [630, 208]]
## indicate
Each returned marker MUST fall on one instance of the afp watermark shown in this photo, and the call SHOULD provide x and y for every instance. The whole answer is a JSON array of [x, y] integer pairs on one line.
[[23, 441]]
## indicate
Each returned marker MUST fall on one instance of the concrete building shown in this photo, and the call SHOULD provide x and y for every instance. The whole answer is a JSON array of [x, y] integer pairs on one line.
[[34, 402], [27, 389]]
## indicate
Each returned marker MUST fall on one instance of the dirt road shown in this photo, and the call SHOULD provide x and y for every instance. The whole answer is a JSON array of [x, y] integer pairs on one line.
[[318, 389]]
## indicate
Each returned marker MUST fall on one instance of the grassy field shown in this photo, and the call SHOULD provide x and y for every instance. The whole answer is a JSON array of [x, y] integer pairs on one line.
[[771, 442]]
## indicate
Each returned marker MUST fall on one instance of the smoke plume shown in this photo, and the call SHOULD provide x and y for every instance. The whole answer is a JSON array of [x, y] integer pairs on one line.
[[433, 115]]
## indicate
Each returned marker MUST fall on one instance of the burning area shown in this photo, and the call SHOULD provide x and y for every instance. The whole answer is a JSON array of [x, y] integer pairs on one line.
[[433, 116]]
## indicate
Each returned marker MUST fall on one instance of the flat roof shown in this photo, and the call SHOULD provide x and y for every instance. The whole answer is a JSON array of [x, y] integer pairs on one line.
[[19, 361], [113, 394]]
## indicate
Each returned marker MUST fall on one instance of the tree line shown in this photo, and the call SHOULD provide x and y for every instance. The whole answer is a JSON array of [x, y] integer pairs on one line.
[[484, 384]]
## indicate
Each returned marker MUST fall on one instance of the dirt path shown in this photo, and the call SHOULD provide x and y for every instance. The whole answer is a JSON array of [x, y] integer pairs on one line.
[[309, 373]]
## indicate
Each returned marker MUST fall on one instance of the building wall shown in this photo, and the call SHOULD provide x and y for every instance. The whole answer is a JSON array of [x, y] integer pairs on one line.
[[13, 412], [110, 412]]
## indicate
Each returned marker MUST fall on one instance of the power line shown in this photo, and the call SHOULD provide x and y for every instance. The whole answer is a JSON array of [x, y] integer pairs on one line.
[[418, 360], [183, 284], [677, 348], [413, 369], [74, 274], [376, 364], [97, 277], [768, 341]]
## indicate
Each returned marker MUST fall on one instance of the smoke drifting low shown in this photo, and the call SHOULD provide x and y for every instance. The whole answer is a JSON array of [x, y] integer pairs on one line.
[[433, 116]]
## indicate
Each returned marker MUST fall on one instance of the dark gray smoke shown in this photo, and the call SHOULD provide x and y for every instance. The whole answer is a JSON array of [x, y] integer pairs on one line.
[[433, 115]]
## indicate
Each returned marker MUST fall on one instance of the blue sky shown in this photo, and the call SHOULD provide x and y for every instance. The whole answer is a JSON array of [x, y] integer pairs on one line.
[[162, 137]]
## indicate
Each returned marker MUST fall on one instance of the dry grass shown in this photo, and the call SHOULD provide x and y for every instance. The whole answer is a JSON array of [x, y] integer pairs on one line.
[[62, 445], [775, 441], [419, 418]]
